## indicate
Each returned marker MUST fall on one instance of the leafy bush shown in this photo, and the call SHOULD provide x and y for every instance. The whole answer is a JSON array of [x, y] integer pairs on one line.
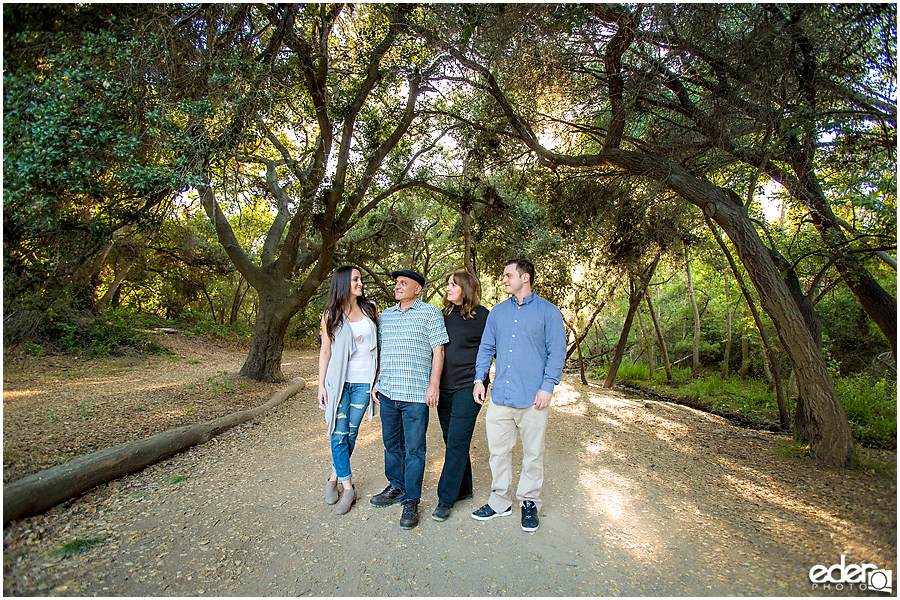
[[871, 408], [710, 354], [112, 333], [195, 324], [35, 349]]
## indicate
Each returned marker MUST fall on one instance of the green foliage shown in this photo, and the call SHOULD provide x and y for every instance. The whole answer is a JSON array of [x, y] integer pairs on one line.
[[79, 546], [710, 354], [871, 405], [791, 448], [219, 384], [85, 409], [80, 155], [871, 408], [113, 333], [870, 464], [850, 339], [35, 349], [196, 324]]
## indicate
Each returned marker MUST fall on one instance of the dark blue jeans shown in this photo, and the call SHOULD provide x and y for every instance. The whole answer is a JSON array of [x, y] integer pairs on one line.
[[457, 411], [403, 427]]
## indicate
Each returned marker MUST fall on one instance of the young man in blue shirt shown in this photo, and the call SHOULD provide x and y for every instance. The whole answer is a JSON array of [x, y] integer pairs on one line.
[[411, 335], [527, 336]]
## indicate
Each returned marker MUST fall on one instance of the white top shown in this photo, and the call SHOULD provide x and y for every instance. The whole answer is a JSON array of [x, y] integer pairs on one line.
[[359, 369]]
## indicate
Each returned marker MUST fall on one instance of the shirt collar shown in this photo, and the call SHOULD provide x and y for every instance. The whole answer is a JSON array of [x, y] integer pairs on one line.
[[412, 306], [527, 300]]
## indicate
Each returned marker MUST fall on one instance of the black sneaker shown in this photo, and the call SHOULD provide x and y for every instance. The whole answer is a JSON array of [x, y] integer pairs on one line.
[[486, 513], [529, 516], [441, 513], [410, 516], [390, 495], [466, 496]]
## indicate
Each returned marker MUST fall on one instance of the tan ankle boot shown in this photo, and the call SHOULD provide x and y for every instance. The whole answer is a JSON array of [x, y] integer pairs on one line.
[[331, 492], [347, 500]]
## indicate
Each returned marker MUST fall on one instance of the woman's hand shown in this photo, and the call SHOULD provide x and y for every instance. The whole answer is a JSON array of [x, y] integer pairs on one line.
[[322, 396]]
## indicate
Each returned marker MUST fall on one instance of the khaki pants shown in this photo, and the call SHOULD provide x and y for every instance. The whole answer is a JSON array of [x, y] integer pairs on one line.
[[502, 424]]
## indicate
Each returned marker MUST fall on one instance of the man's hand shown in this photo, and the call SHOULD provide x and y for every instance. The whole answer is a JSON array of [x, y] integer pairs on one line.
[[432, 395], [478, 393], [542, 399], [374, 395]]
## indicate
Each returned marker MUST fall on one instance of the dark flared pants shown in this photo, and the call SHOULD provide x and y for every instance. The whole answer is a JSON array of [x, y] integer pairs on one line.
[[457, 412]]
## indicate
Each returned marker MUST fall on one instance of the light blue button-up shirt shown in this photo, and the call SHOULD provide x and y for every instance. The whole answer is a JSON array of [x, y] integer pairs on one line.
[[529, 342]]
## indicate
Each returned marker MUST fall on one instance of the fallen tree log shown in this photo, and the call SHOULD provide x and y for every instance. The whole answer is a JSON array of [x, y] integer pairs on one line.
[[39, 492]]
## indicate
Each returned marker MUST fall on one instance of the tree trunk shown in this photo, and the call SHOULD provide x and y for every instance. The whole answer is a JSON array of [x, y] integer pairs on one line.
[[584, 380], [695, 369], [771, 361], [36, 493], [825, 427], [667, 365], [209, 300], [726, 360], [466, 213], [103, 303], [590, 323], [237, 300], [648, 345], [634, 299], [745, 353], [267, 345]]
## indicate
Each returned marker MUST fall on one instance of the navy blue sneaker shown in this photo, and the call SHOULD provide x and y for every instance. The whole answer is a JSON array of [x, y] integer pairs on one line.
[[530, 520], [486, 513]]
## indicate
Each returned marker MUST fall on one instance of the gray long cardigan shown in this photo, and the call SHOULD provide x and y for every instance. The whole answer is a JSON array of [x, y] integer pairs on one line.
[[341, 348]]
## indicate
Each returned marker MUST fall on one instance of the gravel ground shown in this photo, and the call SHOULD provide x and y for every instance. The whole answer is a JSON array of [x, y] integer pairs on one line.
[[641, 498]]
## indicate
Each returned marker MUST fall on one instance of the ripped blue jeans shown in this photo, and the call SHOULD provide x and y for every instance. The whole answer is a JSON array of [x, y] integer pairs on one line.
[[351, 410]]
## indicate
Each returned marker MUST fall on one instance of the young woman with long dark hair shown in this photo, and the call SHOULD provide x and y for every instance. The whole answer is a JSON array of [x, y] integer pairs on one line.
[[464, 318], [348, 362]]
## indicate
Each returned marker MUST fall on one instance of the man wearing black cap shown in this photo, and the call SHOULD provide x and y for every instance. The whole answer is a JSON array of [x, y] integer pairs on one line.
[[411, 336]]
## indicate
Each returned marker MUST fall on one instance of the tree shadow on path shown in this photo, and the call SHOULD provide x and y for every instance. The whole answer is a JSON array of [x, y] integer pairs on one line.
[[640, 498]]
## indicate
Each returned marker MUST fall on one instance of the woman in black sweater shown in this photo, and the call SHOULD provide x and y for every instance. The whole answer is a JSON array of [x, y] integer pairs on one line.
[[464, 318]]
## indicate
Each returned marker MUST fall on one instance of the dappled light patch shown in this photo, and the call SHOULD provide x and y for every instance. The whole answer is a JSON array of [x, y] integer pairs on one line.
[[609, 421], [19, 394], [655, 474], [598, 447], [567, 399]]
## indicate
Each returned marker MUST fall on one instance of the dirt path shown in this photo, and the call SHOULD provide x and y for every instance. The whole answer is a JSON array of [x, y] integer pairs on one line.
[[641, 498]]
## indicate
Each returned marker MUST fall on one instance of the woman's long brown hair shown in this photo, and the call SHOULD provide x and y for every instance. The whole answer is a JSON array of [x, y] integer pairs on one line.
[[471, 294], [339, 296]]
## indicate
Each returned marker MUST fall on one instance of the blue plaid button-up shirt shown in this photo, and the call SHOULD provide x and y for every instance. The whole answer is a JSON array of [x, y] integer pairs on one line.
[[406, 339]]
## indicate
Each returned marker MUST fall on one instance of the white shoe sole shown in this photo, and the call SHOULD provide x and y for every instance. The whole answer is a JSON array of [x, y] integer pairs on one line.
[[493, 516]]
